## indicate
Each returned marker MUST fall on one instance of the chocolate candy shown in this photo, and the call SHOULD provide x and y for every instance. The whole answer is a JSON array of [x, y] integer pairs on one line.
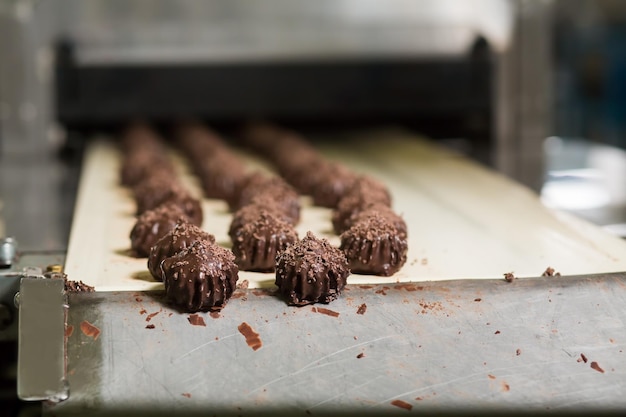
[[182, 236], [258, 186], [374, 246], [200, 278], [160, 188], [256, 243], [311, 271], [152, 225]]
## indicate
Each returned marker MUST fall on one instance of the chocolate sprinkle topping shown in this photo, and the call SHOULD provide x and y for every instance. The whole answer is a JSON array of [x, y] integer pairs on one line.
[[256, 244], [311, 271], [152, 226], [200, 278], [374, 246], [182, 236]]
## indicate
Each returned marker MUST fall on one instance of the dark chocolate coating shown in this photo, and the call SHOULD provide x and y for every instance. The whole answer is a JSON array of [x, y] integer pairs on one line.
[[256, 244], [251, 212], [159, 189], [311, 271], [370, 188], [258, 185], [152, 226], [191, 206], [154, 189], [200, 278], [380, 209], [182, 236], [138, 165], [330, 184], [374, 246], [274, 142], [355, 201], [144, 154], [221, 175], [198, 142], [299, 168], [287, 206], [292, 155]]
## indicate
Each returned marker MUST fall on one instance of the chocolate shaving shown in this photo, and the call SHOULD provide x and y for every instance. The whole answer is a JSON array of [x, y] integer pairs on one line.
[[550, 272], [594, 365], [402, 404], [77, 286], [252, 338], [362, 309]]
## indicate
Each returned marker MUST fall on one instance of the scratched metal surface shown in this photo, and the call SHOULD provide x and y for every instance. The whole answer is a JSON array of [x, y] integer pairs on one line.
[[531, 345]]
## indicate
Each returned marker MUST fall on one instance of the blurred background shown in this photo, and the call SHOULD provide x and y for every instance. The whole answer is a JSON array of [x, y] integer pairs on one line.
[[534, 89]]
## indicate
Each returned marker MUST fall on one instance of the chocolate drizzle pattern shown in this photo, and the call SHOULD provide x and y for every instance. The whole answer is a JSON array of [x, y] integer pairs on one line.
[[182, 236], [202, 277]]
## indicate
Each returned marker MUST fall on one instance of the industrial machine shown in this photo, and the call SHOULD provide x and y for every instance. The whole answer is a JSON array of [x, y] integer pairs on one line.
[[365, 81]]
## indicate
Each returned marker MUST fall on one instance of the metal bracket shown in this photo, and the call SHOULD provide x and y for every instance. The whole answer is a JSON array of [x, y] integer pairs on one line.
[[41, 369], [8, 251]]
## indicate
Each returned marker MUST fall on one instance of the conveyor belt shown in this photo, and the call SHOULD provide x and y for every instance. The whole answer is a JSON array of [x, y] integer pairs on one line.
[[476, 346], [464, 220]]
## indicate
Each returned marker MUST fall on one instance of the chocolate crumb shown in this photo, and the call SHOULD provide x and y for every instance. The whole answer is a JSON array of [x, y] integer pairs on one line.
[[583, 357], [478, 299], [402, 404], [326, 311], [518, 352], [77, 286], [497, 332], [243, 285], [509, 277], [150, 326], [360, 355], [89, 329], [594, 365], [252, 338], [362, 309], [151, 315], [550, 272], [196, 320]]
